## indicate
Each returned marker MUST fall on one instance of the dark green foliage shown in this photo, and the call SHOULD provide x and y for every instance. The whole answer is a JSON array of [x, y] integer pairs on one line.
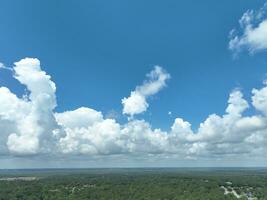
[[133, 184]]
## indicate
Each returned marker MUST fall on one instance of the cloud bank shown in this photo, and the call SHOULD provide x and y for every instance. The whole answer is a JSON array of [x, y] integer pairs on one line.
[[29, 126], [252, 34]]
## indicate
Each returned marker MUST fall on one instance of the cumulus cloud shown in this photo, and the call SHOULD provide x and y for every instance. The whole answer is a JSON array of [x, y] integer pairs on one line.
[[222, 137], [29, 125], [259, 99], [81, 117], [137, 102], [253, 32], [32, 117]]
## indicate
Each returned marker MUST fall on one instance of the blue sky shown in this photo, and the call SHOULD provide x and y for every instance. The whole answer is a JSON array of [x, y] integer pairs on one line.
[[98, 51]]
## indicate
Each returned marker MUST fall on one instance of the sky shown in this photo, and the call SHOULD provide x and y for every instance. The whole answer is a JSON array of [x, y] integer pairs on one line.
[[133, 83]]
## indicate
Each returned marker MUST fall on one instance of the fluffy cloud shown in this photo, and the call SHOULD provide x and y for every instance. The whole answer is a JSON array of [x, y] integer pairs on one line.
[[32, 116], [230, 135], [79, 118], [29, 125], [137, 102], [253, 36], [259, 99]]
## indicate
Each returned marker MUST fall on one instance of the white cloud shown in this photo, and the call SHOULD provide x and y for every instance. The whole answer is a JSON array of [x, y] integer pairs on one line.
[[230, 134], [101, 137], [134, 104], [137, 102], [80, 118], [32, 116], [30, 126], [253, 36], [140, 138], [236, 103], [259, 99], [2, 65]]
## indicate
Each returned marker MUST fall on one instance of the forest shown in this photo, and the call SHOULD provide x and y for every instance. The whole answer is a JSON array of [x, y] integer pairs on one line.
[[134, 184]]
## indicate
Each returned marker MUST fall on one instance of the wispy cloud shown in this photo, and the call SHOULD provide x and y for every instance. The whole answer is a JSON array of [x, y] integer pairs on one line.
[[252, 33]]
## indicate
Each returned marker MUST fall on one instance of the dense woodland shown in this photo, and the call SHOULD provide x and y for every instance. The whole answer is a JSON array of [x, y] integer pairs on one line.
[[134, 184]]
